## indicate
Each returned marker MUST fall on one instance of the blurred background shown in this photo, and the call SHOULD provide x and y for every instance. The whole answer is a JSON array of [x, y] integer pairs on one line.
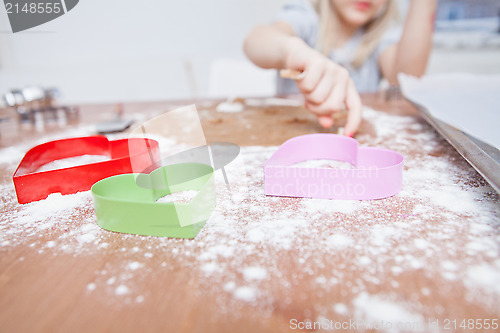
[[118, 51]]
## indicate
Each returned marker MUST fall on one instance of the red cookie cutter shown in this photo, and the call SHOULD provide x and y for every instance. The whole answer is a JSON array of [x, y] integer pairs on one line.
[[126, 155]]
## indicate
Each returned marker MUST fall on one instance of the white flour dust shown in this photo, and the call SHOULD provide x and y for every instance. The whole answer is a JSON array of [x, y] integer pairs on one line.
[[443, 226], [72, 162], [230, 107]]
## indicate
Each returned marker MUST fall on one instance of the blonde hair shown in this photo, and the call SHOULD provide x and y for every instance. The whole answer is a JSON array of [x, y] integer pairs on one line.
[[373, 30]]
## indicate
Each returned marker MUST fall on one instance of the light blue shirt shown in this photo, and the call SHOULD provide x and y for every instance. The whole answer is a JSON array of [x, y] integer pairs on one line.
[[305, 22]]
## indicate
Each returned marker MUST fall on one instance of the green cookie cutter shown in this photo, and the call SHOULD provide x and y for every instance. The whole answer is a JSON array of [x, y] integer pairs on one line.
[[127, 203]]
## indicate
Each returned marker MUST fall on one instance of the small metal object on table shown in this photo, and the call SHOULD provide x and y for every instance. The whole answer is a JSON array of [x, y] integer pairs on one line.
[[32, 103]]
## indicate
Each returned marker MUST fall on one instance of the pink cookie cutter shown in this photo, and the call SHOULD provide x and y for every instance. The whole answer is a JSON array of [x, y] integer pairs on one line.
[[124, 154], [378, 172]]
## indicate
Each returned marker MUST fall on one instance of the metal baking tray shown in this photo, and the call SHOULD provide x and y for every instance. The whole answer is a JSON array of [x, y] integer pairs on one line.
[[482, 156]]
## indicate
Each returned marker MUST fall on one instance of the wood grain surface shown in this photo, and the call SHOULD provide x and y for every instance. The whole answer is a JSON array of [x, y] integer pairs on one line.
[[416, 261]]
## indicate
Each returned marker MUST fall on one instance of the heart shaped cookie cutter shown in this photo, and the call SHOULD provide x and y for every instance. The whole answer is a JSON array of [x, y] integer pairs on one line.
[[128, 203], [377, 173], [31, 185]]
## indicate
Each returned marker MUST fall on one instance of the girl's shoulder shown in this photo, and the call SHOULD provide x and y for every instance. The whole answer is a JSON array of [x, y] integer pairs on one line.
[[302, 17], [304, 5], [390, 37]]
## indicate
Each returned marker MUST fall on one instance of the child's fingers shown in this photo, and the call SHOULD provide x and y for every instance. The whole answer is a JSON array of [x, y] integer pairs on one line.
[[298, 59], [292, 74], [313, 74], [355, 107], [322, 90], [319, 109], [338, 95], [325, 121], [333, 103]]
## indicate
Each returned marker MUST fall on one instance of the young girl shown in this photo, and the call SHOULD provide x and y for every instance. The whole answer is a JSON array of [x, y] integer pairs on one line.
[[340, 46]]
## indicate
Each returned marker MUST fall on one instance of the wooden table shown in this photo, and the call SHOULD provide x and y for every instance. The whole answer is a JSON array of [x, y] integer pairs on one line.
[[424, 260]]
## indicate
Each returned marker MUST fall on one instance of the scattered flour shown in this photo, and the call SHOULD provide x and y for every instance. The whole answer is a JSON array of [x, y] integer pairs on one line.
[[121, 290], [341, 309], [87, 238], [72, 162], [377, 312], [179, 197], [420, 243], [319, 206], [326, 164], [256, 235], [340, 241], [444, 225], [209, 268], [134, 265], [14, 154], [11, 155], [254, 273], [274, 102], [230, 107], [229, 286], [485, 277], [246, 294]]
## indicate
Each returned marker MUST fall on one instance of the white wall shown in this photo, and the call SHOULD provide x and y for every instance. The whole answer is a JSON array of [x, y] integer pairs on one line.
[[132, 50], [121, 50]]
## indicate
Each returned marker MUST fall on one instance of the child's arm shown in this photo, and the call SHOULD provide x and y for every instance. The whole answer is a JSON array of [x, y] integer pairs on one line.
[[267, 46], [325, 85], [411, 53]]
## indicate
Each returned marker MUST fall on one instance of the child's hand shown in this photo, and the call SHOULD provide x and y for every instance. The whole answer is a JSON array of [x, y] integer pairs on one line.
[[326, 86]]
